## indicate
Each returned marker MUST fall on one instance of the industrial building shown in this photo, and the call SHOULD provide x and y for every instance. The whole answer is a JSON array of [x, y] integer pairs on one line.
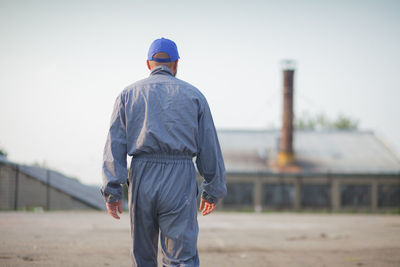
[[332, 170], [24, 187]]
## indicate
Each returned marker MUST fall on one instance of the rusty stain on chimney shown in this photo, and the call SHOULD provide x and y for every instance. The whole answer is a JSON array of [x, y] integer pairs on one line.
[[286, 153]]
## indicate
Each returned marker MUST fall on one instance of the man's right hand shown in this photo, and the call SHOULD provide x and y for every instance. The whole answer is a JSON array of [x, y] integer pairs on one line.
[[112, 208], [206, 207]]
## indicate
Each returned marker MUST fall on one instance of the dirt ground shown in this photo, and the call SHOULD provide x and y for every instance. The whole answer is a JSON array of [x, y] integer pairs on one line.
[[225, 239]]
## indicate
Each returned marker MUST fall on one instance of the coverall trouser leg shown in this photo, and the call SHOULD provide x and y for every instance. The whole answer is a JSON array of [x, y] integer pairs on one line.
[[162, 198]]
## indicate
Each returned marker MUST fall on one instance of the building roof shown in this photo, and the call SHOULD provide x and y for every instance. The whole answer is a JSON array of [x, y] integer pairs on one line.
[[88, 195], [334, 151]]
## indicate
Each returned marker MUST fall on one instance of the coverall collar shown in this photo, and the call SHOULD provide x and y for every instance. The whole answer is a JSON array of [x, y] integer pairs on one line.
[[161, 69]]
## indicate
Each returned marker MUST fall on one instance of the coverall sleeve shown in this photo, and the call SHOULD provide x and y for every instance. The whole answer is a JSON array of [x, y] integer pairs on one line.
[[115, 151], [210, 163]]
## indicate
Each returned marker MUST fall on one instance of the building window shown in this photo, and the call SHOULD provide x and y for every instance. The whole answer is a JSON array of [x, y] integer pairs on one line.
[[388, 195], [278, 195], [315, 195], [239, 194], [355, 195]]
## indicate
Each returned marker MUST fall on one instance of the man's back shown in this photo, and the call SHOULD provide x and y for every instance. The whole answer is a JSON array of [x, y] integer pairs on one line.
[[162, 115]]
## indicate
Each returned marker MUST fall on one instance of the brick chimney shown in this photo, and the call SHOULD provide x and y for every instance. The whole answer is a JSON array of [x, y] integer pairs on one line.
[[286, 153]]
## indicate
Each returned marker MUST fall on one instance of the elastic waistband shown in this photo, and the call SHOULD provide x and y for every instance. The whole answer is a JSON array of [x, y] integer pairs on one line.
[[161, 157]]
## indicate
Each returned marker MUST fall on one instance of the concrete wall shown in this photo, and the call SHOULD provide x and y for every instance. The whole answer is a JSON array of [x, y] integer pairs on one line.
[[23, 192], [6, 188], [334, 192]]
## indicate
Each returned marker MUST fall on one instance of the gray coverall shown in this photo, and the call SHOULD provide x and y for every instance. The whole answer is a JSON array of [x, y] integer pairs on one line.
[[163, 123]]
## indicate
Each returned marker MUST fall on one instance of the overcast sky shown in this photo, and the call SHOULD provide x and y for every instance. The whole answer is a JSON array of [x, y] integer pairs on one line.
[[63, 63]]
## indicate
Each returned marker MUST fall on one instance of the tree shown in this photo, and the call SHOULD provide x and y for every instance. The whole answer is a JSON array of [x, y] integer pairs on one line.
[[343, 122], [321, 121], [3, 153]]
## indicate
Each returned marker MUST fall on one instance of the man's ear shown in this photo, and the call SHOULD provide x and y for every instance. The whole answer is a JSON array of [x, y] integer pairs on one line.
[[148, 65], [176, 65]]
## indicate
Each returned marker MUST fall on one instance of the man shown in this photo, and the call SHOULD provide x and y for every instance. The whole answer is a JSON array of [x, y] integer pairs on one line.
[[163, 123]]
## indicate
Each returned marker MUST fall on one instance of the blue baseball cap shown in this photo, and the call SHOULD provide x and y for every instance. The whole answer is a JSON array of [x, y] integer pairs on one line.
[[165, 46]]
